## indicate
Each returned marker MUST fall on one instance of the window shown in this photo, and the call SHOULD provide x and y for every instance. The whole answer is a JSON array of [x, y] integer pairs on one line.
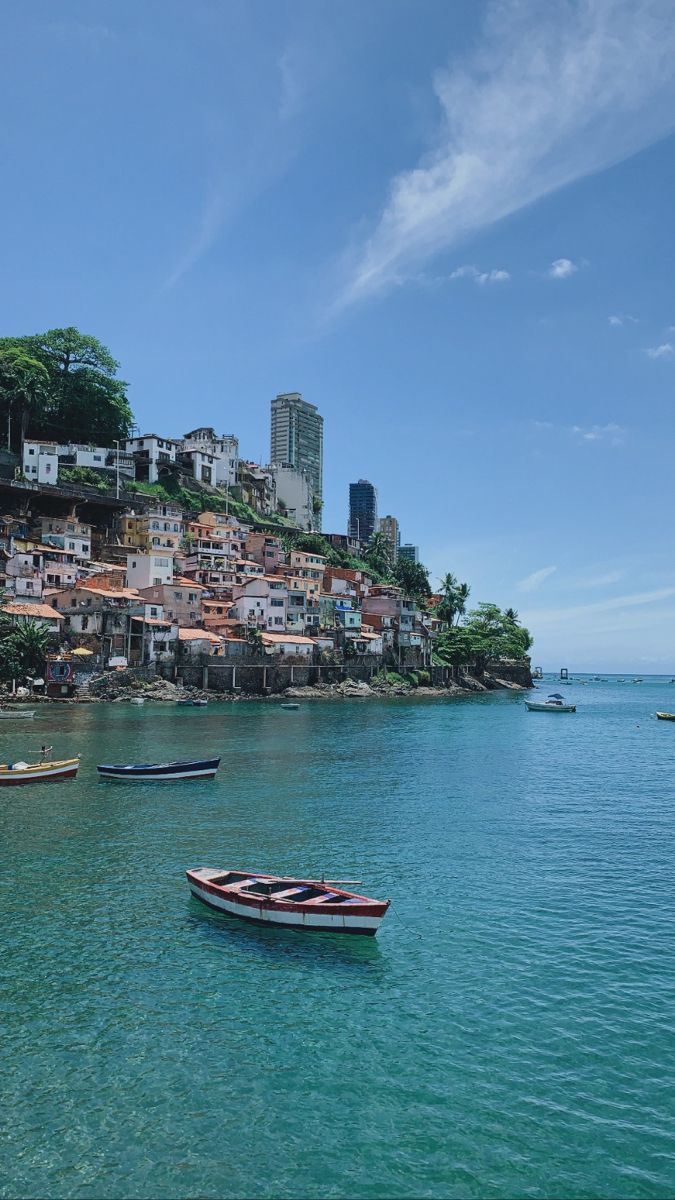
[[71, 528], [71, 545], [277, 603], [153, 612], [66, 622], [278, 620], [73, 604], [85, 622], [97, 458], [31, 451], [85, 547], [157, 582]]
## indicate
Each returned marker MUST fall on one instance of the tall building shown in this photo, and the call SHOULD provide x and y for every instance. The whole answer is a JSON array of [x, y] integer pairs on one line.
[[362, 510], [389, 527], [412, 553], [297, 440]]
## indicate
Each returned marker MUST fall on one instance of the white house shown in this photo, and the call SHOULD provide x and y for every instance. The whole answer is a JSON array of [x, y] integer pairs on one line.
[[223, 449], [150, 454], [261, 601], [149, 570], [288, 643], [67, 533], [41, 462]]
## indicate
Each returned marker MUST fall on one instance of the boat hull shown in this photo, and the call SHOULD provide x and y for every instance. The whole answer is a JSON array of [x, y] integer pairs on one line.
[[663, 716], [37, 773], [16, 714], [161, 772], [363, 919], [554, 708]]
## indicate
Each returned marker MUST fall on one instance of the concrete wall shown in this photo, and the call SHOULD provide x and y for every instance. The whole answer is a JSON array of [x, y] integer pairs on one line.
[[271, 676]]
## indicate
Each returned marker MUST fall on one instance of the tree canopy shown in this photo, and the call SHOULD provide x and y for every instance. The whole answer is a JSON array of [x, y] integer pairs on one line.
[[485, 634], [75, 397]]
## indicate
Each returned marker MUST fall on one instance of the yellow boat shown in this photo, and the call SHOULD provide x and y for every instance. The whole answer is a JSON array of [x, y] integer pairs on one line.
[[23, 772], [666, 716]]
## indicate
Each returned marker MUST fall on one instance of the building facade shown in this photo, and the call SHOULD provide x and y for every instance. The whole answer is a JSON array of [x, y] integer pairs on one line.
[[409, 552], [297, 439], [389, 527], [362, 510]]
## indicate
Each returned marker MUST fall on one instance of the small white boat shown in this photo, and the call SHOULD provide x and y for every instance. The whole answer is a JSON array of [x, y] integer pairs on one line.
[[16, 714], [290, 706], [137, 700], [555, 703]]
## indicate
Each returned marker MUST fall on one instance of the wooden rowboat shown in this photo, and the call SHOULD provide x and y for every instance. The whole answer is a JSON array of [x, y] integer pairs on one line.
[[281, 900], [666, 716], [22, 772], [16, 714], [204, 768]]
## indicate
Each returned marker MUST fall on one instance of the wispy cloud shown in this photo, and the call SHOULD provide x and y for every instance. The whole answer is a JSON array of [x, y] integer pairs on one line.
[[562, 268], [663, 351], [554, 617], [494, 276], [596, 581], [554, 93], [534, 581], [614, 434], [622, 320]]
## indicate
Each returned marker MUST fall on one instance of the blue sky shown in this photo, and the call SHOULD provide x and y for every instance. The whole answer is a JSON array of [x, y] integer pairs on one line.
[[448, 225]]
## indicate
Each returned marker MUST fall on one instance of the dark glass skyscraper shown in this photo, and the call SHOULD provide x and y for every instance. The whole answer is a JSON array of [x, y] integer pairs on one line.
[[362, 510]]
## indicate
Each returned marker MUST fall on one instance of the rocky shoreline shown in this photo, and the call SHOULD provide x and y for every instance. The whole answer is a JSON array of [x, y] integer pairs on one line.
[[120, 689]]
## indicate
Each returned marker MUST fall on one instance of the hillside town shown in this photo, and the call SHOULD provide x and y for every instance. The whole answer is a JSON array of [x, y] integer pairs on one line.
[[135, 580]]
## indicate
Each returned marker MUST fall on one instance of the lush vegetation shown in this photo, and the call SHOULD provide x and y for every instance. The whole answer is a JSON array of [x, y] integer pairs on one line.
[[23, 647], [484, 635], [62, 385]]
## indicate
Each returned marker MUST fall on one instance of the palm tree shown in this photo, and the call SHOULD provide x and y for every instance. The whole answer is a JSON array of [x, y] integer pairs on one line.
[[25, 644], [461, 597], [378, 553]]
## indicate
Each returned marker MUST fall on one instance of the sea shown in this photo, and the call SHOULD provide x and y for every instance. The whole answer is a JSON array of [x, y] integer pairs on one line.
[[510, 1031]]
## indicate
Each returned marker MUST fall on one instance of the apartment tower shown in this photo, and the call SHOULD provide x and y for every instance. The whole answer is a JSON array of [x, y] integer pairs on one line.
[[297, 440]]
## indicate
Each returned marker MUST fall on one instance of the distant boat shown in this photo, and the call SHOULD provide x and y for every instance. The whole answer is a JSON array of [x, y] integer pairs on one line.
[[636, 681], [23, 772], [307, 904], [555, 703], [290, 706], [192, 703], [16, 714], [204, 768], [137, 700], [666, 716]]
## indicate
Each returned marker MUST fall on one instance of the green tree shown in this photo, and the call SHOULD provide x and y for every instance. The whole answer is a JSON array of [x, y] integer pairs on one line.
[[85, 401], [412, 577], [24, 388], [23, 647], [378, 554], [454, 596]]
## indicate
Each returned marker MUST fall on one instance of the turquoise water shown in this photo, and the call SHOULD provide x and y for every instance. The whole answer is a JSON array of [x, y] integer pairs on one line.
[[509, 1032]]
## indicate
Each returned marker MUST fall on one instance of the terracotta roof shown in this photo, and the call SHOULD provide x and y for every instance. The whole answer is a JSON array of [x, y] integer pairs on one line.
[[32, 610], [196, 635], [287, 637], [185, 582], [152, 621]]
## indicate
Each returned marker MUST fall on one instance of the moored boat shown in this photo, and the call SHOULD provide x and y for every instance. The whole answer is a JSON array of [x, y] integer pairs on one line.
[[23, 772], [289, 902], [555, 703], [290, 706], [16, 714], [664, 716], [191, 703], [137, 700], [204, 768]]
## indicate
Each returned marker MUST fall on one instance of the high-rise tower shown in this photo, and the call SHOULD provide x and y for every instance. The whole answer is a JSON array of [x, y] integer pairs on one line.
[[297, 439], [362, 510]]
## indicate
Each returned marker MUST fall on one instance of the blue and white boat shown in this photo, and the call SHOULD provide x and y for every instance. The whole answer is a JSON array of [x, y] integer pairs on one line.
[[204, 768]]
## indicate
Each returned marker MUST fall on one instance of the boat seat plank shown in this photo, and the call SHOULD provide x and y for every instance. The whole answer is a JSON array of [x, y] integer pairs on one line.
[[294, 891], [322, 899]]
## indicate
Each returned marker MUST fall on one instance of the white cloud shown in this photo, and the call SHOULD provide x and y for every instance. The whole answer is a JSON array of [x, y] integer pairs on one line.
[[554, 93], [623, 320], [614, 434], [593, 581], [562, 268], [558, 616], [498, 276], [535, 580], [662, 351]]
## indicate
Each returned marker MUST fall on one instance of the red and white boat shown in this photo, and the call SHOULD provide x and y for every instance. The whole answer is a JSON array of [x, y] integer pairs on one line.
[[280, 900]]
